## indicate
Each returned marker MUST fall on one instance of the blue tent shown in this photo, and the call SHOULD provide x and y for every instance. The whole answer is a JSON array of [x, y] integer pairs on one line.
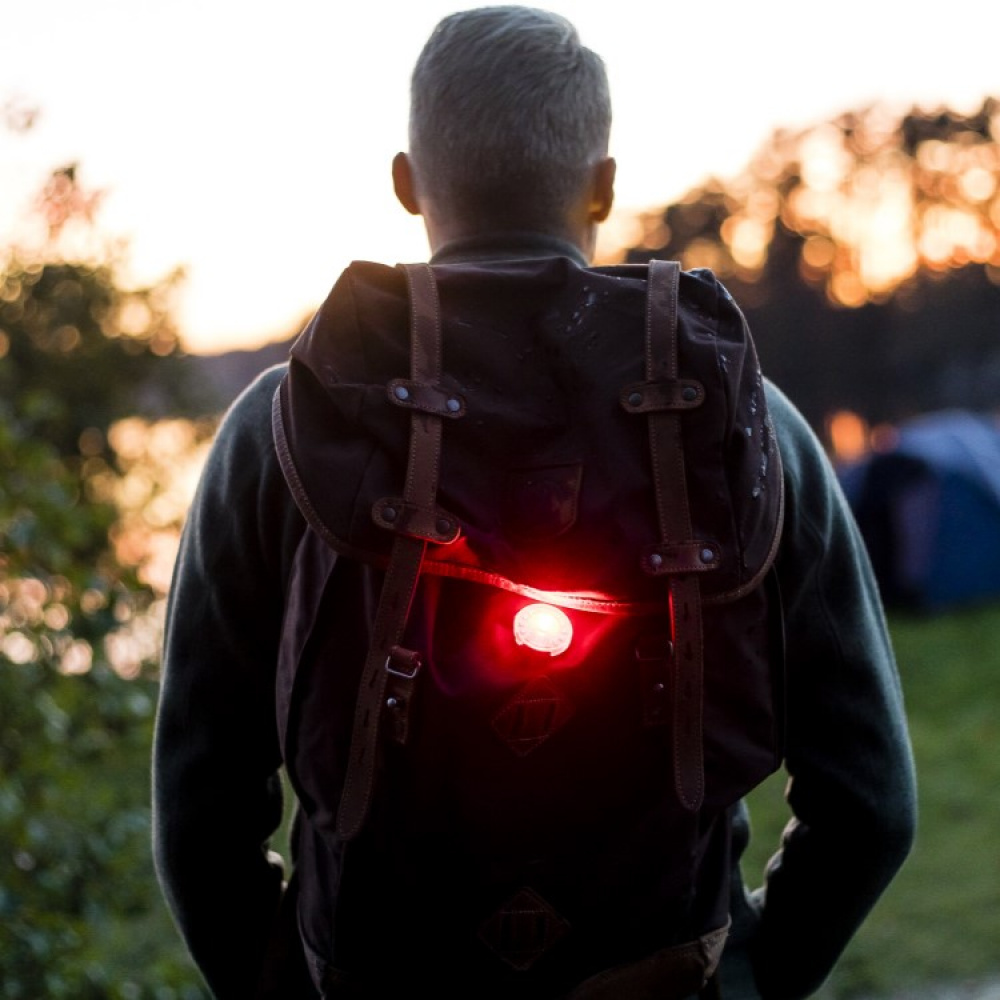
[[929, 510]]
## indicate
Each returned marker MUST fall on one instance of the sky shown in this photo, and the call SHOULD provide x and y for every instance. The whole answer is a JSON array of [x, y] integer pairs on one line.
[[251, 142]]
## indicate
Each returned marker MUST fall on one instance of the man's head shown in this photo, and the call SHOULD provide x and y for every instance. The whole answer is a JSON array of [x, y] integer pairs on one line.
[[509, 123]]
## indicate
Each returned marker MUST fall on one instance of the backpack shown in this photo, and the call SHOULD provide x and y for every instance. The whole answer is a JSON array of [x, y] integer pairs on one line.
[[532, 646]]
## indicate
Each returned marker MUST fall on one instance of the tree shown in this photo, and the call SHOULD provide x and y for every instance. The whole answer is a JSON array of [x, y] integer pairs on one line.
[[80, 348], [79, 353], [866, 254]]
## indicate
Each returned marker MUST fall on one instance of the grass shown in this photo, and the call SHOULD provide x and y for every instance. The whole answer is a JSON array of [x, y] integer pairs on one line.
[[939, 922]]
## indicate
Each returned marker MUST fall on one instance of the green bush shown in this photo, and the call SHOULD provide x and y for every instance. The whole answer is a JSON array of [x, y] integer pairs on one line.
[[81, 915]]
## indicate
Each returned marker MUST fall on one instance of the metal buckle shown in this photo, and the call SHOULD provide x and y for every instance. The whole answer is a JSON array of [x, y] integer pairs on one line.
[[408, 663]]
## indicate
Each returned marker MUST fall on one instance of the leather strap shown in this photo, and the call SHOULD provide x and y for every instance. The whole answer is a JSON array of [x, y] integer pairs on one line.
[[419, 492], [670, 484], [655, 656], [678, 972]]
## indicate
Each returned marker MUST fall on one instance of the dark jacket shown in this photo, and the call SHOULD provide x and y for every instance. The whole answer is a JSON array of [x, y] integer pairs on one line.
[[217, 796]]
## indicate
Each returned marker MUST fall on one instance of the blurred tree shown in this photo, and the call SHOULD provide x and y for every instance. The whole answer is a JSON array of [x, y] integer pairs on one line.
[[866, 254], [80, 911], [80, 349]]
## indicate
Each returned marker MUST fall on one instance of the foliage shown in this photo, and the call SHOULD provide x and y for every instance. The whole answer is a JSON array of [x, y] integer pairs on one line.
[[77, 682], [940, 919], [867, 199], [865, 252], [78, 638], [74, 827], [80, 351]]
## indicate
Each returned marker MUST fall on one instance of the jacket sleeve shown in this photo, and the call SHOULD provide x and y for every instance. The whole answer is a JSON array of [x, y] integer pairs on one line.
[[216, 759], [851, 788]]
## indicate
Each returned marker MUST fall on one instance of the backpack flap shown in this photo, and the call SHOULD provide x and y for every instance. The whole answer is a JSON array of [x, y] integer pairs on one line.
[[543, 468]]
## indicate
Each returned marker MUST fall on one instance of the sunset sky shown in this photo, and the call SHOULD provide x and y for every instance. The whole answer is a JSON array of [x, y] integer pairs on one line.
[[251, 142]]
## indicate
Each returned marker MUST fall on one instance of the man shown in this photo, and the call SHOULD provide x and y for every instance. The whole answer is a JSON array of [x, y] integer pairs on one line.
[[508, 161]]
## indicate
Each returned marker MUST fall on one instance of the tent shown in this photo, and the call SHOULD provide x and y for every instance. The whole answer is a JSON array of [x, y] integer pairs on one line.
[[929, 511]]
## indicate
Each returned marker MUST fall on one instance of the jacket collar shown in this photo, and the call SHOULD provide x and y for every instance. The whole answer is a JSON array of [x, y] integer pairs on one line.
[[506, 246]]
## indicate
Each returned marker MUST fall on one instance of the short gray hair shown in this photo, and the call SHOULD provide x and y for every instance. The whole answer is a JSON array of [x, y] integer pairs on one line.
[[509, 111]]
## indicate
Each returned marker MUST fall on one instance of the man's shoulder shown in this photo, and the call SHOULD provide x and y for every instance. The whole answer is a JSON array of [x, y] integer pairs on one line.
[[253, 405], [244, 437], [263, 385], [791, 428]]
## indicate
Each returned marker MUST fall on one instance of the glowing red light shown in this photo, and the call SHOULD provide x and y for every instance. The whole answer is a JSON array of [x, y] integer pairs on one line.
[[544, 628]]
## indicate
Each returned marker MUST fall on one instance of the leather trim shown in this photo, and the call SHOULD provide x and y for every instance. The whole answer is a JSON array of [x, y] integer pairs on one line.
[[667, 394], [674, 973], [436, 399]]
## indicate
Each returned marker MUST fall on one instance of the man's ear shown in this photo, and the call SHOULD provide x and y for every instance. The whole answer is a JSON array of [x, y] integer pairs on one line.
[[602, 191], [403, 185]]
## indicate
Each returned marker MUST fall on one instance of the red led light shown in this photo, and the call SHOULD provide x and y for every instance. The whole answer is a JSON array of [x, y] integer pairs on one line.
[[544, 628]]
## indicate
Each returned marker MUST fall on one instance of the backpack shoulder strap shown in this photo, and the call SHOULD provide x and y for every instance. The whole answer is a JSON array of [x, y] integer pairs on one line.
[[415, 520], [679, 554]]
